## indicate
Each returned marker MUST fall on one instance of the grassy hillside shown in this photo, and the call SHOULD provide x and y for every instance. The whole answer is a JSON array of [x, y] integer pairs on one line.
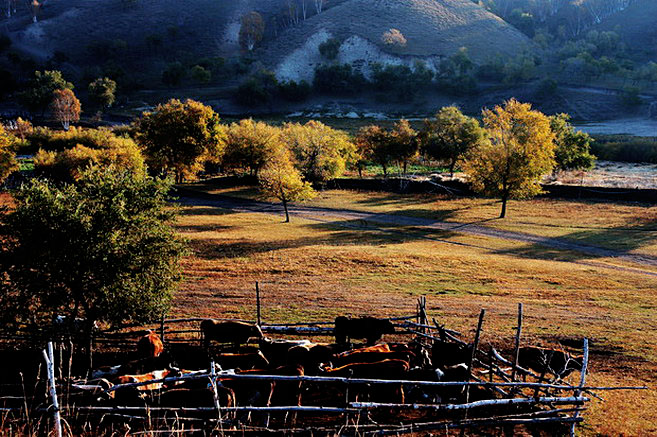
[[431, 28], [637, 26], [143, 37]]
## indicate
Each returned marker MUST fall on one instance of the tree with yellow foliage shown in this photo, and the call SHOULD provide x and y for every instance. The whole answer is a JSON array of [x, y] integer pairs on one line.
[[279, 179], [520, 151], [7, 156], [321, 153]]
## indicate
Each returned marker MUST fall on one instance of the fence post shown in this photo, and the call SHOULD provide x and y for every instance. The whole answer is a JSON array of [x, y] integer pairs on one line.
[[215, 394], [516, 351], [50, 367], [162, 329], [582, 381], [475, 344], [258, 304]]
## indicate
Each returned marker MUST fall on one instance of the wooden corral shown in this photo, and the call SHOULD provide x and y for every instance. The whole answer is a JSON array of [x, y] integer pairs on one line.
[[190, 393]]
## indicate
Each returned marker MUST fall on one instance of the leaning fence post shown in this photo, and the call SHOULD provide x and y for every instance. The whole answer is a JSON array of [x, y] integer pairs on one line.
[[50, 366], [516, 351], [475, 344], [258, 303], [582, 381], [215, 394]]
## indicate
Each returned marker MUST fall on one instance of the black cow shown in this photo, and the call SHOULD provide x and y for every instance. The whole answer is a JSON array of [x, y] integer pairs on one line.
[[369, 328]]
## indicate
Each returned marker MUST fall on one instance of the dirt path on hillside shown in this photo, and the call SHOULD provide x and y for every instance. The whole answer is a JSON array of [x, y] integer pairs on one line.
[[362, 219]]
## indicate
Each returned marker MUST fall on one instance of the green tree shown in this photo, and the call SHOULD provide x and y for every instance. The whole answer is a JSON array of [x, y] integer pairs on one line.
[[8, 162], [101, 92], [572, 148], [279, 179], [520, 152], [402, 143], [178, 135], [103, 249], [200, 74], [321, 152], [330, 48], [250, 144], [450, 135], [39, 93]]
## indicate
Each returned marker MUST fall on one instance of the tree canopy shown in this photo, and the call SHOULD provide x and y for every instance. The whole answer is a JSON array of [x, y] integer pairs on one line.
[[519, 153], [39, 93], [402, 143], [281, 180], [250, 144], [101, 92], [177, 135], [321, 152], [7, 156], [450, 135], [102, 249], [572, 148], [65, 107], [252, 29]]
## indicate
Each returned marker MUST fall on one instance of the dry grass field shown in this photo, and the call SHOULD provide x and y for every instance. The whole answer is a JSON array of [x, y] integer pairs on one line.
[[311, 270]]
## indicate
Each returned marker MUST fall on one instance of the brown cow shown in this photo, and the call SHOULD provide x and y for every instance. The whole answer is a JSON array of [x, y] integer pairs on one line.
[[276, 351], [369, 328], [242, 361], [386, 369], [447, 353], [150, 345], [556, 361], [229, 332], [370, 357], [196, 397]]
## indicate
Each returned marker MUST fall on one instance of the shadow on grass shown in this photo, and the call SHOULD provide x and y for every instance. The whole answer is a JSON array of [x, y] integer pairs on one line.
[[341, 233], [594, 243]]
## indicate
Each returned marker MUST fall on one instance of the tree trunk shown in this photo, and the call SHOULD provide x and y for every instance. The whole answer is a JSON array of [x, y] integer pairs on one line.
[[360, 171], [451, 169], [287, 215], [385, 170], [505, 196], [405, 164]]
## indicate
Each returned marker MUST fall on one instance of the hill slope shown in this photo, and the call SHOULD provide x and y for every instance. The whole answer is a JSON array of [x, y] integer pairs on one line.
[[638, 26], [433, 29]]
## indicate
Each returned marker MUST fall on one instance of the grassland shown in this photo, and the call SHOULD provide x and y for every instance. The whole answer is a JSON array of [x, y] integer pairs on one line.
[[312, 270]]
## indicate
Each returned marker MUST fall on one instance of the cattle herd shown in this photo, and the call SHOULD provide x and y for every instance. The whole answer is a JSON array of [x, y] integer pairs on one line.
[[230, 349]]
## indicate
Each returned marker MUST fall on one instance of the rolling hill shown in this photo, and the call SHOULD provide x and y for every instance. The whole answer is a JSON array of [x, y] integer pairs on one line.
[[142, 37]]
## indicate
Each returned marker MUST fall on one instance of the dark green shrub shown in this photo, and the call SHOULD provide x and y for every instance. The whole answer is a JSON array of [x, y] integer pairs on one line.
[[295, 91], [330, 48]]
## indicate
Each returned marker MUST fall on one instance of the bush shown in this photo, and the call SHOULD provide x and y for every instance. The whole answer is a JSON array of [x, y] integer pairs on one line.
[[401, 80], [200, 74], [625, 148], [173, 74], [631, 96], [5, 43], [258, 89], [337, 78], [330, 48], [293, 91]]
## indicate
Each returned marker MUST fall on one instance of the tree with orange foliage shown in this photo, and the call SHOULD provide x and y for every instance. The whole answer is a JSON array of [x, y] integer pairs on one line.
[[65, 107]]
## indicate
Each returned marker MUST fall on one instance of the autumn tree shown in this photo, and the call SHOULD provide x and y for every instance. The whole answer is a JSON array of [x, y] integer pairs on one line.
[[103, 249], [449, 135], [394, 38], [8, 162], [520, 152], [178, 135], [280, 179], [39, 92], [321, 153], [372, 145], [65, 107], [252, 29], [572, 148], [402, 143], [101, 92], [250, 144]]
